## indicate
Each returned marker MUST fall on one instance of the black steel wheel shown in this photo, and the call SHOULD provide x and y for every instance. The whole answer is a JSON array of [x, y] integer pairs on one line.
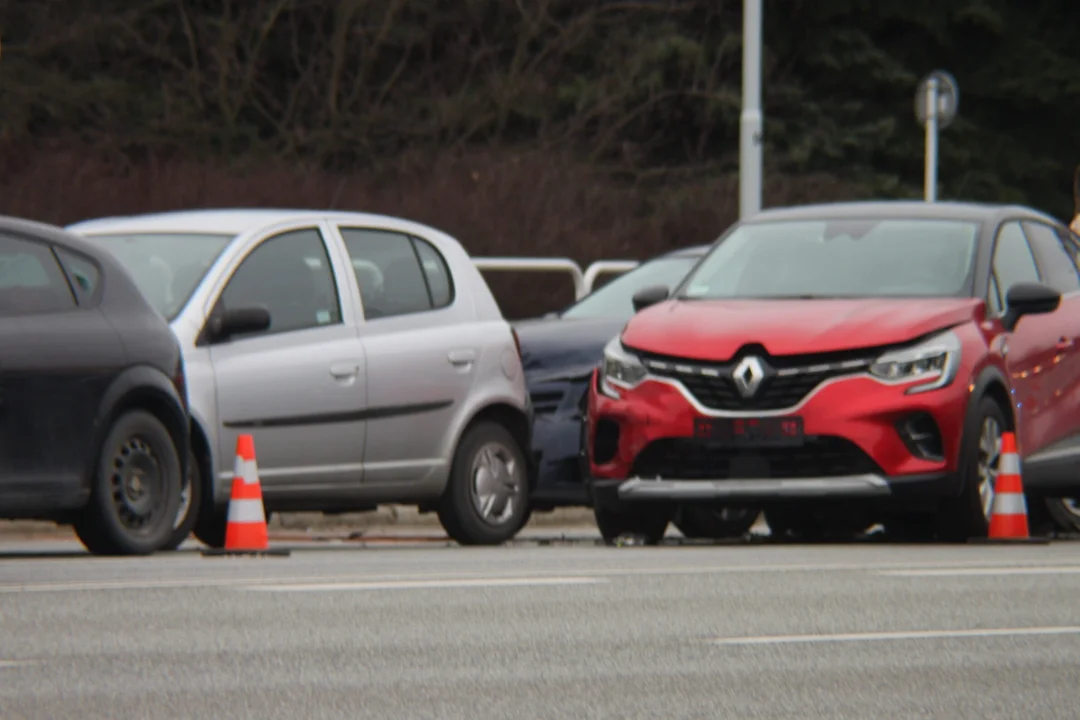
[[136, 490]]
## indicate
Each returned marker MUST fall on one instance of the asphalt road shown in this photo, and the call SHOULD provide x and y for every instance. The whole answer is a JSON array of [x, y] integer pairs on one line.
[[560, 631]]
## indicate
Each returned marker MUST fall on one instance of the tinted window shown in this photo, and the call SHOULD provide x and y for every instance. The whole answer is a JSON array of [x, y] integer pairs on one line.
[[166, 267], [1056, 262], [1013, 263], [290, 275], [615, 300], [388, 271], [872, 257], [31, 280], [83, 274]]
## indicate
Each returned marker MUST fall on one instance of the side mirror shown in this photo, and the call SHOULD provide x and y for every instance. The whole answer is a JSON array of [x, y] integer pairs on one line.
[[238, 321], [1028, 298], [651, 295]]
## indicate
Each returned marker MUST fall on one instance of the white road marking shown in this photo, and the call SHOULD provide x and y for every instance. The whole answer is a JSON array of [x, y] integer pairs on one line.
[[900, 635], [988, 571], [938, 568], [16, 663], [425, 584]]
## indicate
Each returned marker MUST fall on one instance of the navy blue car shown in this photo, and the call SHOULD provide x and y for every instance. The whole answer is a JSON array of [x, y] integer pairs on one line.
[[560, 352]]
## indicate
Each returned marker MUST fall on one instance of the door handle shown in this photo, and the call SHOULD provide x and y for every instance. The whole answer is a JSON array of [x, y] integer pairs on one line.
[[342, 371], [461, 357], [1064, 343]]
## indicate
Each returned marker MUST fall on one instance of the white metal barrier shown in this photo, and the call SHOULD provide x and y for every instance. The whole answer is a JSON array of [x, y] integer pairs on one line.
[[583, 281], [601, 267], [537, 265]]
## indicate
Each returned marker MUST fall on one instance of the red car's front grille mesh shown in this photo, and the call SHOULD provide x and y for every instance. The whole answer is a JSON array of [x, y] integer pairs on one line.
[[689, 459]]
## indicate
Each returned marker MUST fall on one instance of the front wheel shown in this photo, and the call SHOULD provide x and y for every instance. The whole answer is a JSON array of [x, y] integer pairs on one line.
[[135, 495], [968, 516], [615, 518], [486, 501], [715, 522]]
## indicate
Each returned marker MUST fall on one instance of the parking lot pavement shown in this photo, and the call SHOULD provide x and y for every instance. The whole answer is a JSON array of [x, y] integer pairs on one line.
[[537, 631]]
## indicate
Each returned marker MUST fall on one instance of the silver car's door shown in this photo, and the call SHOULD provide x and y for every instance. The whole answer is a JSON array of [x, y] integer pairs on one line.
[[297, 387], [421, 351]]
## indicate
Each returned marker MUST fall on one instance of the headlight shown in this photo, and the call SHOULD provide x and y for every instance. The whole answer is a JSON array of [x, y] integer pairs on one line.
[[935, 361], [620, 369]]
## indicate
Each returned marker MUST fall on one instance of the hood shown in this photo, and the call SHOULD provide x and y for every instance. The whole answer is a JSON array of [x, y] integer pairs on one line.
[[714, 330], [555, 348]]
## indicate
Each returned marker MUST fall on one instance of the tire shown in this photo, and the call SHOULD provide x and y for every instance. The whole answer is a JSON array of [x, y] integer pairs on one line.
[[210, 527], [715, 522], [814, 525], [968, 515], [135, 495], [190, 501], [641, 520], [1065, 513], [489, 471]]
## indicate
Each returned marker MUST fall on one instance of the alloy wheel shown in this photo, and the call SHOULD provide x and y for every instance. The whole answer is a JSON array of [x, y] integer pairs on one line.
[[496, 483], [989, 456]]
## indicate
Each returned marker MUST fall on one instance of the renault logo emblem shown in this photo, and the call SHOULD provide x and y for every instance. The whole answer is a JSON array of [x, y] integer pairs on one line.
[[748, 375]]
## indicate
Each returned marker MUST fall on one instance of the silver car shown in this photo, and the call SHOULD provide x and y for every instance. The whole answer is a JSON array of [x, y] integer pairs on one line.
[[365, 354]]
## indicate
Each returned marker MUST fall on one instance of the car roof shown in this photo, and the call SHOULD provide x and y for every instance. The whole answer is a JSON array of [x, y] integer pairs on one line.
[[690, 252], [51, 233], [233, 221], [942, 210]]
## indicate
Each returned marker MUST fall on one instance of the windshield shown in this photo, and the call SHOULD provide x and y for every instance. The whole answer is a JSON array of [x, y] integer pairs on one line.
[[167, 267], [839, 258], [614, 300]]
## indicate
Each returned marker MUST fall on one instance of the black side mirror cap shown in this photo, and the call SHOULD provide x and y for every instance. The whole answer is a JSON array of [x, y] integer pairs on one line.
[[238, 321], [1028, 298], [651, 295]]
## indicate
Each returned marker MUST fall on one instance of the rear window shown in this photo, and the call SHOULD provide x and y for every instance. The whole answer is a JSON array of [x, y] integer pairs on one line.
[[31, 280]]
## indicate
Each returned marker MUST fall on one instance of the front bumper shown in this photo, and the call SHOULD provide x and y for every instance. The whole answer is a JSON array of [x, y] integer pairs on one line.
[[757, 490], [642, 446], [557, 441]]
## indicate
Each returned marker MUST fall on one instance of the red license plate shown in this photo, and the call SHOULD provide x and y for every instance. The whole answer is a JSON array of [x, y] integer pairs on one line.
[[751, 432]]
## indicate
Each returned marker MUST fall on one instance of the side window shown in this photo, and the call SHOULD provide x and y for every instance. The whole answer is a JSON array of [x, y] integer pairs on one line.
[[290, 275], [1057, 263], [1072, 247], [388, 272], [1013, 263], [83, 274], [436, 272], [31, 280]]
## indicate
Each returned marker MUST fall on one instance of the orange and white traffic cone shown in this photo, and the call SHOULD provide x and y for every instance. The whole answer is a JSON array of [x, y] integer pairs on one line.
[[1008, 514], [245, 529]]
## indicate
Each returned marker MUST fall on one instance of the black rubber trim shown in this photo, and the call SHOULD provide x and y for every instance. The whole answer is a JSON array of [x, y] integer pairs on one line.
[[331, 418]]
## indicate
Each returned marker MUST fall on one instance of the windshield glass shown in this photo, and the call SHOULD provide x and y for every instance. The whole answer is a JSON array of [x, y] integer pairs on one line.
[[167, 267], [614, 300], [839, 258]]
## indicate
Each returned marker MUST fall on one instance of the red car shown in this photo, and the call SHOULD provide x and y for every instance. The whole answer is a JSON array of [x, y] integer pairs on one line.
[[843, 365]]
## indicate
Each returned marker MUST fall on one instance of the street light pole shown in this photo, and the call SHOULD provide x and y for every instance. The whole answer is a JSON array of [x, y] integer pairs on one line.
[[750, 121]]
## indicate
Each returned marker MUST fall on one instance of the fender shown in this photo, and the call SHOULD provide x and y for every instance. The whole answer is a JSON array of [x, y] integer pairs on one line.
[[987, 377], [506, 403], [147, 386]]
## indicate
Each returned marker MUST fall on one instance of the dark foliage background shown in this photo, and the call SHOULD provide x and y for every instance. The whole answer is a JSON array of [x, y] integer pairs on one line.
[[583, 128]]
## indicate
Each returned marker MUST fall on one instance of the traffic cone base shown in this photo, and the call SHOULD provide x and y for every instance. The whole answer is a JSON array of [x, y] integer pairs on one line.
[[245, 524], [1008, 514]]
